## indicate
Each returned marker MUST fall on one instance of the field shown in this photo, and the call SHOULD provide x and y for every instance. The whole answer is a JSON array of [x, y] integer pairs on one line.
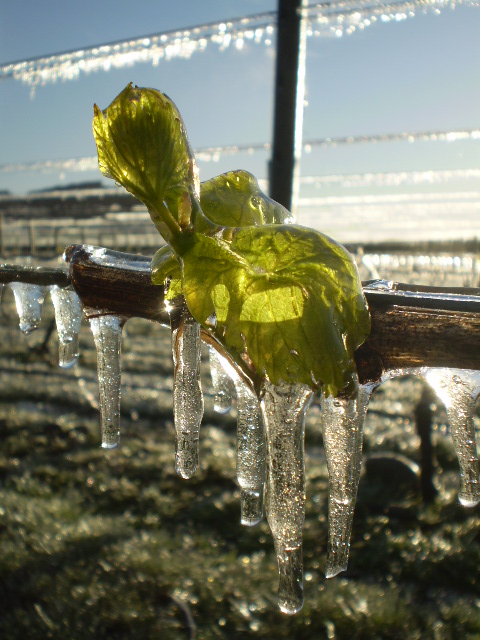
[[97, 544]]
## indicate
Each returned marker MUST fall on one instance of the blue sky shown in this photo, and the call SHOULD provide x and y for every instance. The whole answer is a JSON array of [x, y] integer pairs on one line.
[[419, 74]]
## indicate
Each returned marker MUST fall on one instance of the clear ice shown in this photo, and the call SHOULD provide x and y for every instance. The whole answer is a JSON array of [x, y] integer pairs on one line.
[[251, 460], [323, 20], [251, 455], [187, 392], [28, 300], [221, 382], [459, 390], [283, 409], [68, 317], [342, 425], [107, 334]]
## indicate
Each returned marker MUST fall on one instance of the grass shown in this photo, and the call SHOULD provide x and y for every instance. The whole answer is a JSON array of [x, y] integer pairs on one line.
[[97, 544]]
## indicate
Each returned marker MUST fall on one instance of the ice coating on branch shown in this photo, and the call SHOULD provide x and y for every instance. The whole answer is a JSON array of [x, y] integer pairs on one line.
[[283, 409], [342, 425], [107, 334], [222, 384], [68, 316], [251, 461], [28, 300], [118, 260], [459, 390], [187, 392]]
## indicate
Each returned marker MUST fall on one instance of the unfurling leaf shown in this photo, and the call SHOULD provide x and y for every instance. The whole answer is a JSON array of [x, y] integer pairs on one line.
[[234, 199], [231, 199], [142, 144]]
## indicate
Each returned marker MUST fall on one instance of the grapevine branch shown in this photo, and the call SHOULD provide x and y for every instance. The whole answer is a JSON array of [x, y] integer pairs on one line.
[[43, 276], [412, 326]]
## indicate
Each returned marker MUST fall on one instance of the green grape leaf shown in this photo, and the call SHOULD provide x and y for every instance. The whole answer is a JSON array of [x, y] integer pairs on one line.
[[285, 302], [234, 199], [165, 268], [288, 302], [142, 144]]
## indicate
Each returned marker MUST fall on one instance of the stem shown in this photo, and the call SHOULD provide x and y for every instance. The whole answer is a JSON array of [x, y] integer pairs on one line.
[[164, 222], [43, 276], [252, 380]]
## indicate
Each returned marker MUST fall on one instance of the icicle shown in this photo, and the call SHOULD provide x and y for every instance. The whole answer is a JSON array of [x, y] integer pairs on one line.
[[458, 390], [251, 461], [107, 334], [342, 425], [68, 316], [28, 300], [250, 454], [222, 384], [283, 408], [187, 392]]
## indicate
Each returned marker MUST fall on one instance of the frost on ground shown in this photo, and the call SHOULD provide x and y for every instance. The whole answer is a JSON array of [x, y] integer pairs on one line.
[[388, 426], [96, 544]]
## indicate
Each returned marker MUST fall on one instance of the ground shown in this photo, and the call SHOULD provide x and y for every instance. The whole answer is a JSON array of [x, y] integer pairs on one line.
[[99, 544]]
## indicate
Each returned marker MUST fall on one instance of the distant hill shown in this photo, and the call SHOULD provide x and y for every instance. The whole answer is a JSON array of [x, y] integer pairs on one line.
[[83, 200], [97, 184]]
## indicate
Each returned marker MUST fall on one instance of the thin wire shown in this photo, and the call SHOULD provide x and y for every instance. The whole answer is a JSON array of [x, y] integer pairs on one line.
[[323, 19], [206, 154], [113, 43]]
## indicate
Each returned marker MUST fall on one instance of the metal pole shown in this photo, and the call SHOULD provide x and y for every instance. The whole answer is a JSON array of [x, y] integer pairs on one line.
[[289, 98], [2, 235]]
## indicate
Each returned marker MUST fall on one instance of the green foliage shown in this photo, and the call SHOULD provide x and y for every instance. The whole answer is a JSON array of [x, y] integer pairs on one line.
[[284, 301], [278, 306], [234, 199], [166, 269], [142, 145]]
